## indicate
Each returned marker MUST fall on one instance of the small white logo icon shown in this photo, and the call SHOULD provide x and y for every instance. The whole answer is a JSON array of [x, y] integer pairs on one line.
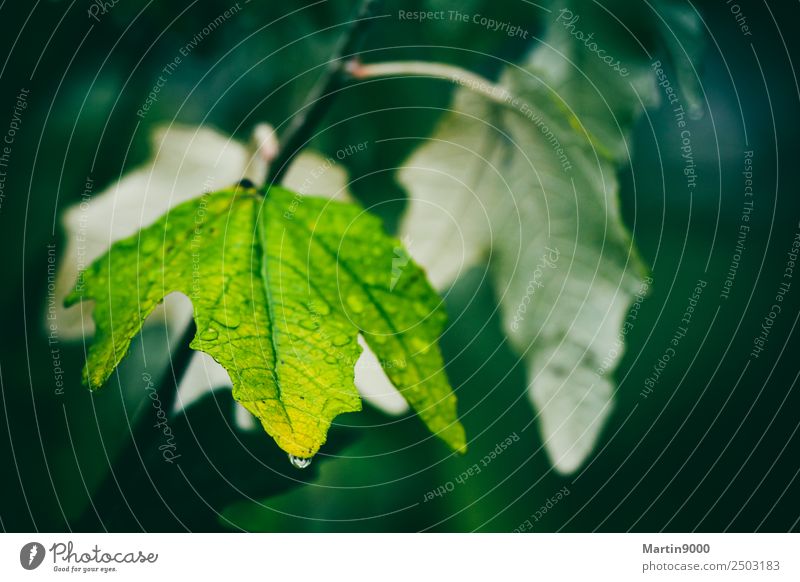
[[31, 555]]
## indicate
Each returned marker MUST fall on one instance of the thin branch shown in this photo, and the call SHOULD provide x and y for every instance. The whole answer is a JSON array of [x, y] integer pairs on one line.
[[303, 126]]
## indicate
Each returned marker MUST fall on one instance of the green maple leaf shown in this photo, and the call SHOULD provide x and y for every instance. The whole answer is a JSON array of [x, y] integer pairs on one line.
[[281, 286]]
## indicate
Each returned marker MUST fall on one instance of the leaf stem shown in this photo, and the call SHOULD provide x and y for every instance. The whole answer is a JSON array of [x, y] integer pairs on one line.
[[492, 91], [453, 73], [302, 128]]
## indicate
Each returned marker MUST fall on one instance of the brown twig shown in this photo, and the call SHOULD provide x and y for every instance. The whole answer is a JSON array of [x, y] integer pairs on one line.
[[301, 129]]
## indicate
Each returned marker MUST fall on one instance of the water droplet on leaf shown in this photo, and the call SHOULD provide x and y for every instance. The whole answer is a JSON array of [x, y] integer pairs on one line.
[[309, 324], [319, 308], [355, 304], [422, 309], [379, 338], [229, 320], [149, 245], [209, 334], [340, 340], [420, 345]]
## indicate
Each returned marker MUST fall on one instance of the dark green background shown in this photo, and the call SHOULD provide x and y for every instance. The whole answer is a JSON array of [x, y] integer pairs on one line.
[[714, 448]]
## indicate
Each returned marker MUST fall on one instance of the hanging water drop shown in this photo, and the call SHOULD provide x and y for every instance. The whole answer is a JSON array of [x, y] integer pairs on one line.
[[299, 462]]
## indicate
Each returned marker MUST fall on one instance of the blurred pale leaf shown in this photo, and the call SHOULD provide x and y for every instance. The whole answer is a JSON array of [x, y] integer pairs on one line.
[[530, 185]]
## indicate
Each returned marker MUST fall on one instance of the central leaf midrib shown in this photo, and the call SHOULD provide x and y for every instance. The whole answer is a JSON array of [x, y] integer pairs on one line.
[[264, 276]]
